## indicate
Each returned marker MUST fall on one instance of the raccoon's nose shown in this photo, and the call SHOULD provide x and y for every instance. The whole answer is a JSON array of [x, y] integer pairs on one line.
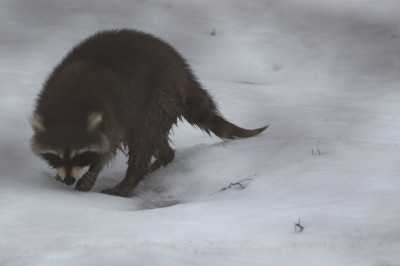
[[69, 180]]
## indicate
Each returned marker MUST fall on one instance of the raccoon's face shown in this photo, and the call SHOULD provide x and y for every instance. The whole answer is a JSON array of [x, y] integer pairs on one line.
[[70, 148], [69, 164]]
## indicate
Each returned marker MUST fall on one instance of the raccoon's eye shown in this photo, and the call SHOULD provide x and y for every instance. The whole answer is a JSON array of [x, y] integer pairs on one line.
[[53, 160], [84, 159]]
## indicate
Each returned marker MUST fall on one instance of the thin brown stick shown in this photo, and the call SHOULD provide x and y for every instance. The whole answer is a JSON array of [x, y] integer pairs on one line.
[[237, 184], [316, 152], [298, 225]]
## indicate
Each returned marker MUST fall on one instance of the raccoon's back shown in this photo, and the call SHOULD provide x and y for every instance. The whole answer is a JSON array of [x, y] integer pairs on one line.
[[116, 73], [128, 53]]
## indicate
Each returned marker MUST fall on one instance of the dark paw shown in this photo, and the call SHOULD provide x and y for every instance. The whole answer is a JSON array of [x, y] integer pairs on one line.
[[114, 192], [83, 185]]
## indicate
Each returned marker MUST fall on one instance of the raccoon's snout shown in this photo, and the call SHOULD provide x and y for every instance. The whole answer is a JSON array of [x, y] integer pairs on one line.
[[69, 180]]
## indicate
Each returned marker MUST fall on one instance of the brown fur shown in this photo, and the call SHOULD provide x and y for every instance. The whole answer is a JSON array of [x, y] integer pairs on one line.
[[138, 87]]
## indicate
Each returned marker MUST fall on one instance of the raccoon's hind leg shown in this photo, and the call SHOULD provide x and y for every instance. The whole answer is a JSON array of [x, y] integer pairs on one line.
[[86, 182], [165, 155], [151, 140], [140, 154], [138, 162]]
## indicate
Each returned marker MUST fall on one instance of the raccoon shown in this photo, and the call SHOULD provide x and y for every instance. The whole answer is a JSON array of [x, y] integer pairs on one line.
[[120, 89]]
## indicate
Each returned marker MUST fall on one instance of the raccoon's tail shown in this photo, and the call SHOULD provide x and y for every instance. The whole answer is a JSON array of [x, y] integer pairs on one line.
[[201, 111]]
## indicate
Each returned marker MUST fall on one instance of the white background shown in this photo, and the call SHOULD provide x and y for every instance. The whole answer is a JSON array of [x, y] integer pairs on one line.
[[323, 74]]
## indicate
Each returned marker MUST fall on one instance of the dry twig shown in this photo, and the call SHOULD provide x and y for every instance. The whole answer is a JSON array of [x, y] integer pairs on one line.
[[298, 225], [237, 184], [316, 152]]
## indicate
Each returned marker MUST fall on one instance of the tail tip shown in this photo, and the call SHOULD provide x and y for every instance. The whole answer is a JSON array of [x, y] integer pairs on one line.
[[261, 129], [246, 133]]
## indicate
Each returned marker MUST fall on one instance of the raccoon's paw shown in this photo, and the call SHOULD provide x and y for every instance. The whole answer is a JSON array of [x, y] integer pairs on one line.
[[84, 184], [114, 192]]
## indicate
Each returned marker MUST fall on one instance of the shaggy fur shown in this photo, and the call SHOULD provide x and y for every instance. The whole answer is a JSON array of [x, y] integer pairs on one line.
[[120, 88]]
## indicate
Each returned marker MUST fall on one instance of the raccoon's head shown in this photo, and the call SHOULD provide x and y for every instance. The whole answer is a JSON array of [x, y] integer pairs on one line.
[[69, 147]]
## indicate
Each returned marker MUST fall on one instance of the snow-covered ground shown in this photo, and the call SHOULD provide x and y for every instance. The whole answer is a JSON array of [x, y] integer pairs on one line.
[[324, 74]]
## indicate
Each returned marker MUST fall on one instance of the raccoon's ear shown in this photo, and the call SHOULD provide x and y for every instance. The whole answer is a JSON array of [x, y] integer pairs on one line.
[[94, 121], [37, 123]]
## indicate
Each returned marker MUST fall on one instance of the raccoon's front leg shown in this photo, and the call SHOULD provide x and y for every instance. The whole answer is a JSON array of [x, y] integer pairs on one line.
[[86, 182]]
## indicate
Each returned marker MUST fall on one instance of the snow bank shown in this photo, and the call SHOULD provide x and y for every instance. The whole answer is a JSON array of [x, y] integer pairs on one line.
[[323, 74]]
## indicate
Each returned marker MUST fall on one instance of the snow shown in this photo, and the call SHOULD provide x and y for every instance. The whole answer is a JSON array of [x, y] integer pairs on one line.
[[323, 74]]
